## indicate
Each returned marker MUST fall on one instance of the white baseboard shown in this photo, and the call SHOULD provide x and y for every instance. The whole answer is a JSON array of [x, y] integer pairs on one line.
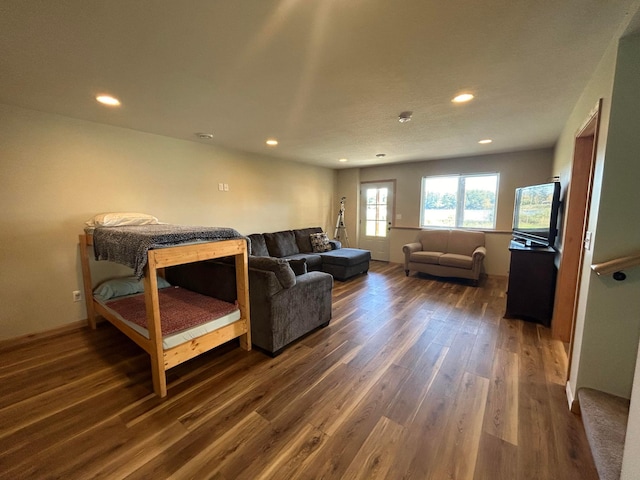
[[574, 406], [569, 394]]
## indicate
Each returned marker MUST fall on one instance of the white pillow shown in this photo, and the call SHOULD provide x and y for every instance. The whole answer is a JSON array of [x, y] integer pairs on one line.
[[115, 219]]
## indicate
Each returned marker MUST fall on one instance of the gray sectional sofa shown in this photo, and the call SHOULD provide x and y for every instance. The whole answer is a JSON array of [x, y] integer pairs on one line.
[[286, 301], [341, 263], [290, 285]]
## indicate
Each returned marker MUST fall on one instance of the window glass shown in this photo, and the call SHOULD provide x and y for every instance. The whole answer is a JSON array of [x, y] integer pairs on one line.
[[376, 214], [461, 201]]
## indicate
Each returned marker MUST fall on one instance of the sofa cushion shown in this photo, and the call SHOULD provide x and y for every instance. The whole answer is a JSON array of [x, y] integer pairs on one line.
[[279, 266], [346, 257], [298, 265], [304, 240], [434, 240], [258, 245], [464, 242], [455, 260], [320, 242], [314, 260], [281, 244], [425, 257]]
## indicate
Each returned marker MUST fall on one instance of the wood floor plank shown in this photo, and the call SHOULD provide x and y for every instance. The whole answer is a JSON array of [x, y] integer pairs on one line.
[[415, 378], [375, 458], [341, 447], [501, 413], [535, 426], [481, 358], [497, 459], [459, 446], [406, 404], [553, 357]]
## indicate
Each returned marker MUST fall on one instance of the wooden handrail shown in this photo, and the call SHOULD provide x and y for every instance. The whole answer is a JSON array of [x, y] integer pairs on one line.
[[616, 265]]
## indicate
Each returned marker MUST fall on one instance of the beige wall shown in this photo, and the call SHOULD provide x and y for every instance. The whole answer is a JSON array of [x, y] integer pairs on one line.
[[515, 168], [56, 172], [606, 332]]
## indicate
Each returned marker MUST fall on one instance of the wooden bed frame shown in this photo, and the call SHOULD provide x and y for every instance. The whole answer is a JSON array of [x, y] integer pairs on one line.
[[158, 259]]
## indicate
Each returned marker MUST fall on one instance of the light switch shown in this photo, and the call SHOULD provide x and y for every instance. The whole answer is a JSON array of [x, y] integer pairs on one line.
[[587, 240], [226, 187], [398, 216], [221, 186]]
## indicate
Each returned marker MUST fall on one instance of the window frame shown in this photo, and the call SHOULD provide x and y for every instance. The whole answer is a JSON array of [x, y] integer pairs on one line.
[[460, 194]]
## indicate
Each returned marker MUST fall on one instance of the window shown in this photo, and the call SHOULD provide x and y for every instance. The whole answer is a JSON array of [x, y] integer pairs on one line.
[[461, 201], [376, 216]]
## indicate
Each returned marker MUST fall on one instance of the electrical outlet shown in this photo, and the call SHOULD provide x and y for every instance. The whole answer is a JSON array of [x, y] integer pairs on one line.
[[77, 296], [226, 187]]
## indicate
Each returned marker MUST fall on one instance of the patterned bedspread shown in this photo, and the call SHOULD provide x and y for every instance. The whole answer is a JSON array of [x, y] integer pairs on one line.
[[129, 245]]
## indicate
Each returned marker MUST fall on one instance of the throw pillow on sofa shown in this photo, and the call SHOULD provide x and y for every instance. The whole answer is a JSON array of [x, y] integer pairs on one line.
[[320, 242], [299, 266]]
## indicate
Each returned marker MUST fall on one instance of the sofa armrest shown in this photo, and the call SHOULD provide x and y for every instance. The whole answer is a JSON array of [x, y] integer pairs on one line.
[[479, 253], [335, 244], [409, 248], [478, 258]]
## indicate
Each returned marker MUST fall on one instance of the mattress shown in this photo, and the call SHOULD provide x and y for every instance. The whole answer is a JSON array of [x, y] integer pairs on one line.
[[184, 315]]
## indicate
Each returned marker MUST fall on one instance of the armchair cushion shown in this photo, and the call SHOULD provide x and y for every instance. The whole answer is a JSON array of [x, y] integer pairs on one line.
[[434, 240], [303, 238], [455, 260], [426, 257], [258, 245], [281, 244], [279, 266], [464, 242]]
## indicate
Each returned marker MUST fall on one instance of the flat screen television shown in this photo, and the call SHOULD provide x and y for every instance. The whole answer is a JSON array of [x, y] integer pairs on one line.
[[535, 214]]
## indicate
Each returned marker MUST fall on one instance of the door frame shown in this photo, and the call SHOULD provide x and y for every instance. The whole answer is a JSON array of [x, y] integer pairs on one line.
[[576, 210]]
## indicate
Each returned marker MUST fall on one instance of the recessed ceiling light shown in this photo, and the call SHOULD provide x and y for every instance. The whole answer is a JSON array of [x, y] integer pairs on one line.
[[485, 141], [463, 97], [272, 142], [204, 136], [405, 117], [342, 160], [380, 155], [108, 100]]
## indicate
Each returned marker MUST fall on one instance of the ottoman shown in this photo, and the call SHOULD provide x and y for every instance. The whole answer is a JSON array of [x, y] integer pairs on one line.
[[344, 263]]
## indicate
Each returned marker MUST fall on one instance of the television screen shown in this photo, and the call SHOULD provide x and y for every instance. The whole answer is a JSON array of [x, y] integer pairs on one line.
[[536, 213]]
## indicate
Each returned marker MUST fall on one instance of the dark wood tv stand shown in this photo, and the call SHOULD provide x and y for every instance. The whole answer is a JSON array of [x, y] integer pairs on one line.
[[532, 283]]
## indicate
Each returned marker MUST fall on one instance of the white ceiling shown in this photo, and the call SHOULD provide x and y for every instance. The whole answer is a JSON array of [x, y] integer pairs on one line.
[[327, 78]]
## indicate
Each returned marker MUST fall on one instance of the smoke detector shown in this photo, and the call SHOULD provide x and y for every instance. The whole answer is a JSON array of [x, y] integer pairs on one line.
[[405, 117]]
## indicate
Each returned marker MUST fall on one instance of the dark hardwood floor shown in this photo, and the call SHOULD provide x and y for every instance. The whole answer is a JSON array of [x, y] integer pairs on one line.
[[414, 378]]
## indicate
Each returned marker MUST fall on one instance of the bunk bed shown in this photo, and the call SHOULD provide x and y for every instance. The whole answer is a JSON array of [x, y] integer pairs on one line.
[[148, 250]]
